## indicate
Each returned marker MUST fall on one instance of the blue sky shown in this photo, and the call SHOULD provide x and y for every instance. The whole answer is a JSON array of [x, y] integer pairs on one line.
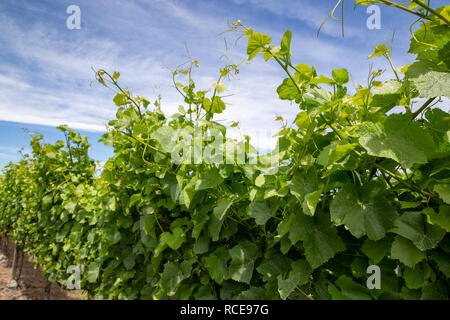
[[45, 69]]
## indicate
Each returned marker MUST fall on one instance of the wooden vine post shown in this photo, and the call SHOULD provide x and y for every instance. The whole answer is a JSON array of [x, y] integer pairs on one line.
[[20, 266], [15, 261], [47, 289], [5, 249]]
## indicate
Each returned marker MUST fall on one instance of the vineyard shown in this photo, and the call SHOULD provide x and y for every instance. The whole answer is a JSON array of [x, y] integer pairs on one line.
[[181, 211]]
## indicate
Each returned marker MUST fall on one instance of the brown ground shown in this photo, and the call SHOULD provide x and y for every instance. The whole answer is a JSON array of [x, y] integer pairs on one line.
[[31, 283]]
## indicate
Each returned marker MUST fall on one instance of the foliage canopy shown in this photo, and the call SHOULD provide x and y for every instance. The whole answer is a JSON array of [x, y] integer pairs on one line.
[[353, 187]]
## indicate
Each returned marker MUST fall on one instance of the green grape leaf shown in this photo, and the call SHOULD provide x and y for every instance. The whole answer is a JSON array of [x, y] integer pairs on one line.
[[286, 43], [334, 152], [412, 226], [414, 277], [376, 250], [443, 262], [167, 137], [93, 272], [441, 219], [288, 91], [444, 191], [304, 183], [242, 262], [310, 203], [349, 290], [216, 106], [176, 239], [261, 212], [298, 276], [221, 209], [121, 99], [434, 291], [70, 206], [173, 275], [256, 43], [209, 179], [340, 76], [134, 199], [274, 266], [405, 251], [397, 138], [430, 84], [129, 262], [363, 212], [216, 263], [379, 50], [319, 238], [386, 96], [254, 293]]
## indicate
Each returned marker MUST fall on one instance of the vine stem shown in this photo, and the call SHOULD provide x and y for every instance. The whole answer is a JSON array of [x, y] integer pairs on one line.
[[331, 14], [400, 180], [159, 225], [124, 92], [68, 147], [386, 180], [145, 144], [422, 108], [285, 68], [423, 5], [209, 114], [331, 126], [393, 4], [392, 66], [393, 175], [303, 292]]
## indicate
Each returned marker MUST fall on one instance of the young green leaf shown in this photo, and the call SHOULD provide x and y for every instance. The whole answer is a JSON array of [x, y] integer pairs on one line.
[[340, 76]]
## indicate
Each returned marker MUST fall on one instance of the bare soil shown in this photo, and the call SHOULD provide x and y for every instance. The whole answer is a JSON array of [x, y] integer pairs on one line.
[[31, 284]]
